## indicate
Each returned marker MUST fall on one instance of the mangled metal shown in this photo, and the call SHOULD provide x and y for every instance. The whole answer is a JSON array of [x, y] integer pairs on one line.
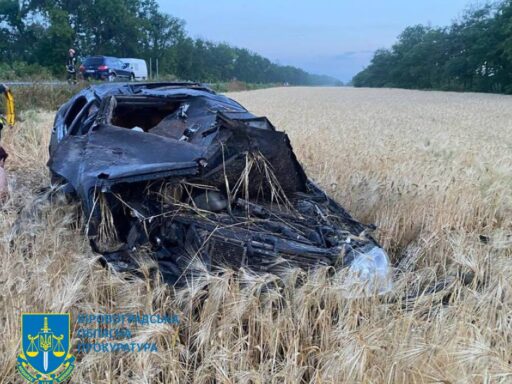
[[202, 183]]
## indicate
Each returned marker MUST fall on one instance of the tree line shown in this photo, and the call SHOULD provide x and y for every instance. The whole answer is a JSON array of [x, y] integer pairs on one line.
[[474, 53], [38, 33]]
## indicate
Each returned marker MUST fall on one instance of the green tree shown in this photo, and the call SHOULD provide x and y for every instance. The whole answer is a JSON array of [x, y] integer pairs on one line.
[[39, 32]]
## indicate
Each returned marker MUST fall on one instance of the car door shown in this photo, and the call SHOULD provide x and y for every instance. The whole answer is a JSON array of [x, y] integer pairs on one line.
[[114, 67], [124, 70]]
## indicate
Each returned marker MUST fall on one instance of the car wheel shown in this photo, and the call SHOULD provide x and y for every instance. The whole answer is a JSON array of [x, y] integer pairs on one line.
[[132, 77], [112, 77]]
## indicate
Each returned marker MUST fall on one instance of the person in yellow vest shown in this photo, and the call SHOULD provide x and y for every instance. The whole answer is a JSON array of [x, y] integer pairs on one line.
[[7, 119]]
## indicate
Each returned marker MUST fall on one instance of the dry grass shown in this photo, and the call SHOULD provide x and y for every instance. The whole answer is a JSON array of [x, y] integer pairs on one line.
[[42, 96], [432, 170]]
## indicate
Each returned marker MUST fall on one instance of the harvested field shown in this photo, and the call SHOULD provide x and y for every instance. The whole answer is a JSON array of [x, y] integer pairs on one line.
[[432, 170]]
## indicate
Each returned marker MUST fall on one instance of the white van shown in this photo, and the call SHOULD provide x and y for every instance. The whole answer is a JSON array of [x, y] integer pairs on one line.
[[138, 67]]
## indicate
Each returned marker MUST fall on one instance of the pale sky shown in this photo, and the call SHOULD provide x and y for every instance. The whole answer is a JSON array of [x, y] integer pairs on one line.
[[329, 37]]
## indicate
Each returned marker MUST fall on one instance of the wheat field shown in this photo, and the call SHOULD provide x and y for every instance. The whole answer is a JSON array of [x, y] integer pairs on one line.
[[432, 170]]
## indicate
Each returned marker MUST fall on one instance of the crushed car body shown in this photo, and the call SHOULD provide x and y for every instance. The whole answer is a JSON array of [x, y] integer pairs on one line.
[[199, 182]]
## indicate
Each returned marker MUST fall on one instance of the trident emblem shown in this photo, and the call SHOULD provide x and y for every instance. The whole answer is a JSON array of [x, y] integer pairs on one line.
[[46, 344], [45, 352]]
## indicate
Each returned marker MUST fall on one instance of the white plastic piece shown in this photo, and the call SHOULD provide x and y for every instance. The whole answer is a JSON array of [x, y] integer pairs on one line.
[[368, 274]]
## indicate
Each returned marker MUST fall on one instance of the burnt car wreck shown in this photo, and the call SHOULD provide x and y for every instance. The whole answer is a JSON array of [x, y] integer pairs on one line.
[[195, 179]]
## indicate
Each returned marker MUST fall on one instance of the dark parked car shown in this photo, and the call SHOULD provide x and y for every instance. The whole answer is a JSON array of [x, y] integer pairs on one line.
[[106, 68], [197, 182]]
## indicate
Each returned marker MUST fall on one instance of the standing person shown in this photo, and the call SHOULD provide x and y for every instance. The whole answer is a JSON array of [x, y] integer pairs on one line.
[[9, 119], [71, 66]]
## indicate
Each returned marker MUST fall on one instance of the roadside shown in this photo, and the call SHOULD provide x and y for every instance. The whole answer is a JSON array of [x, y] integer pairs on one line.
[[49, 95]]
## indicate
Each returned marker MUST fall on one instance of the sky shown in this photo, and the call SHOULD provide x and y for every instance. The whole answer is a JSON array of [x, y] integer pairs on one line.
[[332, 37]]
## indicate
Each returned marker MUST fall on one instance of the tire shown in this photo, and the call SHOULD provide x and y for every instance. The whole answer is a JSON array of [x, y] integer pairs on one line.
[[111, 77]]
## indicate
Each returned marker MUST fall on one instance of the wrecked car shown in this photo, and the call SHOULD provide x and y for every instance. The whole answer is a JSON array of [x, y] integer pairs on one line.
[[198, 181]]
